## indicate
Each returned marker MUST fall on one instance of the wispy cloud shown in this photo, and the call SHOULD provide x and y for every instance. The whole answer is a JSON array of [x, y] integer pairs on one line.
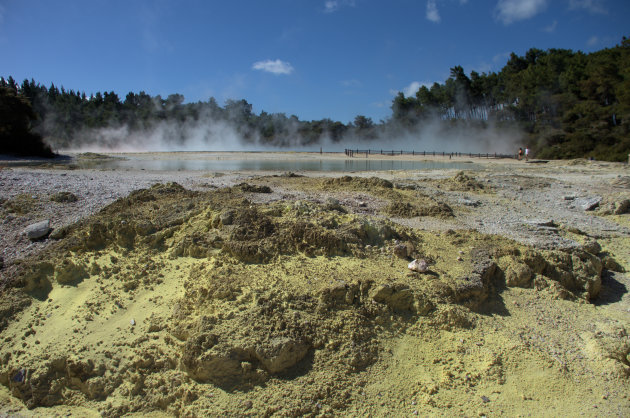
[[433, 13], [153, 39], [593, 6], [592, 41], [509, 11], [233, 86], [331, 6], [273, 66], [551, 28], [501, 58], [351, 83]]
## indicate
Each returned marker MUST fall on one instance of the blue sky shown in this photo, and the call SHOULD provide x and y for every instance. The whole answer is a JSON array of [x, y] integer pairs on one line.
[[311, 58]]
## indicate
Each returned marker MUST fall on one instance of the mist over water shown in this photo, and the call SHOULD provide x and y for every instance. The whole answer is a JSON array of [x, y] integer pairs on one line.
[[221, 135]]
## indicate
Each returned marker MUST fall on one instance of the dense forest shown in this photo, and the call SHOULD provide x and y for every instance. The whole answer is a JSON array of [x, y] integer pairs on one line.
[[566, 104]]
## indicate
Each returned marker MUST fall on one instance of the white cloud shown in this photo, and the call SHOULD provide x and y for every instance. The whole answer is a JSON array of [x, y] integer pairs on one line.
[[509, 11], [274, 67], [551, 28], [593, 6], [412, 88], [593, 40], [331, 6], [432, 12]]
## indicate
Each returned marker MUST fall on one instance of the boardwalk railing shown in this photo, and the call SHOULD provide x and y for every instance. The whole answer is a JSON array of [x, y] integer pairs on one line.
[[366, 152]]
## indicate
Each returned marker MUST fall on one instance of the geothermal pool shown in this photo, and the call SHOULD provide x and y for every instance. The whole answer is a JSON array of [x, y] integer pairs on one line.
[[262, 162]]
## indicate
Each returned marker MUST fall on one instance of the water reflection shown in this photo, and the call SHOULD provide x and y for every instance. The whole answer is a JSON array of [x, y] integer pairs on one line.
[[168, 162], [273, 165]]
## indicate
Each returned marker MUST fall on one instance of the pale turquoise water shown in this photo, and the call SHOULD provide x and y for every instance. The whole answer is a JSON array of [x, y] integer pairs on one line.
[[273, 165], [209, 162]]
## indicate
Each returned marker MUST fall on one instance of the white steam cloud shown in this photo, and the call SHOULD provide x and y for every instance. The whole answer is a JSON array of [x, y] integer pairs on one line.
[[273, 66], [439, 137], [216, 136], [210, 135]]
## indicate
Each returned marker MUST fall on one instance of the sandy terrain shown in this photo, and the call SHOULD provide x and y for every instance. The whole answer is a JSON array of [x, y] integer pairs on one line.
[[196, 292]]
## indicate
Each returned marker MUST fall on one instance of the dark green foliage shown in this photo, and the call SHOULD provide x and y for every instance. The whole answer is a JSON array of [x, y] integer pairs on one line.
[[571, 104], [16, 115]]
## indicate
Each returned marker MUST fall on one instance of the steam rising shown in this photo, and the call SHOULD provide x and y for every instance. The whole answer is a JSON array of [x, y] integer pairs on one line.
[[165, 137], [221, 135]]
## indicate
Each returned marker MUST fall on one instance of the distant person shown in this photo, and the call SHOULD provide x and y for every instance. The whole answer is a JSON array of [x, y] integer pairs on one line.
[[526, 153], [520, 153]]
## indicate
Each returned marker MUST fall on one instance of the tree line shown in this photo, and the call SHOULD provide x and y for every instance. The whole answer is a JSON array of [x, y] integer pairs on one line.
[[568, 104]]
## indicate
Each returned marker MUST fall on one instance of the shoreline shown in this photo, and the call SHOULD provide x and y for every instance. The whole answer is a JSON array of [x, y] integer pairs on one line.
[[197, 155]]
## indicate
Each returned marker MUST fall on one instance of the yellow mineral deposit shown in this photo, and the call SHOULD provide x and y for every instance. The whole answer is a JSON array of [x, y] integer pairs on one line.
[[209, 303]]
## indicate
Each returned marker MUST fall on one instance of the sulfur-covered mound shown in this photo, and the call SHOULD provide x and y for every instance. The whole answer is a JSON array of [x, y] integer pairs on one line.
[[184, 301]]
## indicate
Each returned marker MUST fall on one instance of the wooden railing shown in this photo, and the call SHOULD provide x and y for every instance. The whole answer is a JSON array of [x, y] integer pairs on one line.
[[367, 152]]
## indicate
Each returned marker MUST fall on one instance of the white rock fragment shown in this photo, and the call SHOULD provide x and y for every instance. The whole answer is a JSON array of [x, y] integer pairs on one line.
[[420, 266], [132, 322]]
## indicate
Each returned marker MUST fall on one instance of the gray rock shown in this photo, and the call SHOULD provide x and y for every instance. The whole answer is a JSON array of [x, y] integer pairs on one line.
[[469, 202], [587, 203], [38, 230]]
